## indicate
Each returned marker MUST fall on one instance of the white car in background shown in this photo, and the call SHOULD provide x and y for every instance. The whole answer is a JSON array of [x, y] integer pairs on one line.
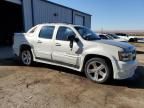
[[126, 37], [105, 37], [112, 37], [117, 38]]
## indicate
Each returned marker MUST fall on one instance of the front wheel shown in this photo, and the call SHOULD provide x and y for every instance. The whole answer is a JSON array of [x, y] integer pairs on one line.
[[97, 70], [26, 57]]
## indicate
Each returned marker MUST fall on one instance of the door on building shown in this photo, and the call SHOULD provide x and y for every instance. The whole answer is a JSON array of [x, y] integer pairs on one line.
[[79, 20], [11, 21]]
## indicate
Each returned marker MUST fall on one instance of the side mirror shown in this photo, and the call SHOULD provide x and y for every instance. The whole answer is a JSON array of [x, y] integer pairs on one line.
[[71, 39], [76, 39]]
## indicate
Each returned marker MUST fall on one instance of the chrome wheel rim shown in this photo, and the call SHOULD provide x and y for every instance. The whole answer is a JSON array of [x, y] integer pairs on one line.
[[26, 57], [97, 71]]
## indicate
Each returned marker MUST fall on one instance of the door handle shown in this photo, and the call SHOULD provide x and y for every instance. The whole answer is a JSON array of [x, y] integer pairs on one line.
[[57, 44], [39, 41]]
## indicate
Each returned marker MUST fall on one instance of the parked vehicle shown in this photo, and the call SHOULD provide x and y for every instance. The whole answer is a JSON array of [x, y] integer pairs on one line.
[[117, 38], [78, 48], [112, 37], [105, 37], [126, 37]]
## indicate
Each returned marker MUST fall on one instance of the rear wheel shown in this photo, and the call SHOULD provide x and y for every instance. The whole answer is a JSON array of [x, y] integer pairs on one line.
[[97, 70], [26, 57]]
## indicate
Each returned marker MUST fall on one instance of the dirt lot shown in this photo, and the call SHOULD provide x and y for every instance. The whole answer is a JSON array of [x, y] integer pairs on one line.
[[46, 86]]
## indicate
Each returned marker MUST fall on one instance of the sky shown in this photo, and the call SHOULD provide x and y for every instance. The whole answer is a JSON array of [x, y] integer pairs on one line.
[[111, 14]]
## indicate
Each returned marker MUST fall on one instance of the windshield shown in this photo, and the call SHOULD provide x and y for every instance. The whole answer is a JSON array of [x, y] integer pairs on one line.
[[110, 37], [87, 34]]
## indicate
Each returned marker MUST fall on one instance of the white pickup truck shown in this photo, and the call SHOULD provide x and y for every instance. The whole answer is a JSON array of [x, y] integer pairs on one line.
[[78, 48]]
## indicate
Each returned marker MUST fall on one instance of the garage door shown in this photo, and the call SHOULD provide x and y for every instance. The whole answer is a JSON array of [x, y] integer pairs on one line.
[[79, 20], [11, 21]]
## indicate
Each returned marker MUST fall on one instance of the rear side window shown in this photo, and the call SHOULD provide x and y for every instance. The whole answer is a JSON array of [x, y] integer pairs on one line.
[[64, 33], [46, 32], [33, 30]]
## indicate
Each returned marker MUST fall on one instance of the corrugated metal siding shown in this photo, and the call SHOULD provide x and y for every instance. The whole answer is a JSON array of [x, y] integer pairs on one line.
[[87, 18], [79, 20], [27, 14], [41, 11], [45, 12]]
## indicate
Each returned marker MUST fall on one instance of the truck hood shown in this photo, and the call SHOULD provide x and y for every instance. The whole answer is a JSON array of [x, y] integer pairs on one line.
[[124, 45]]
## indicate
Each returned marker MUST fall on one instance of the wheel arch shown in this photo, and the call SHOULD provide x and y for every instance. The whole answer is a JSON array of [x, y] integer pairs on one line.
[[90, 56], [25, 46]]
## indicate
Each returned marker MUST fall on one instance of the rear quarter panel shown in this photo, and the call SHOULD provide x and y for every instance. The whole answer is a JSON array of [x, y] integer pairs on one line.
[[20, 39]]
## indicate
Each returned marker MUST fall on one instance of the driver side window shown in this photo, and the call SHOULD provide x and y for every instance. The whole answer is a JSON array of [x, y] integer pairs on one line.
[[63, 33]]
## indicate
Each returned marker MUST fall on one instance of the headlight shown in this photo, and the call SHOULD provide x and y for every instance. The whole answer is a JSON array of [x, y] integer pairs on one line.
[[127, 56]]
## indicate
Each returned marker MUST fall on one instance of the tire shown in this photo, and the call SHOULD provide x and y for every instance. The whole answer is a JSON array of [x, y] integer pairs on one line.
[[97, 70], [132, 40], [26, 57]]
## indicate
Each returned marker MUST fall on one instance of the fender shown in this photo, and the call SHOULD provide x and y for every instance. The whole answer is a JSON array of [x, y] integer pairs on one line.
[[96, 52]]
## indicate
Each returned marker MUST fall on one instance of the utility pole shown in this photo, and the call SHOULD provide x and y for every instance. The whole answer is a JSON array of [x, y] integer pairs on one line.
[[102, 30]]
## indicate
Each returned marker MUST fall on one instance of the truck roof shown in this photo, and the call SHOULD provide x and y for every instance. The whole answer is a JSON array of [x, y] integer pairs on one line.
[[60, 24]]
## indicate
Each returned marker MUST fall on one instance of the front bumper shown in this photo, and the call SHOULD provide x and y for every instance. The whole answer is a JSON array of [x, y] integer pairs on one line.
[[125, 69]]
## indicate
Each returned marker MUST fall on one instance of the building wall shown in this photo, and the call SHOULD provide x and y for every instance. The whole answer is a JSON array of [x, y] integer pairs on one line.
[[45, 12], [27, 14]]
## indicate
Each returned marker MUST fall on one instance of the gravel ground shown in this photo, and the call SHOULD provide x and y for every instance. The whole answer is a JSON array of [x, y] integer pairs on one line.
[[47, 86]]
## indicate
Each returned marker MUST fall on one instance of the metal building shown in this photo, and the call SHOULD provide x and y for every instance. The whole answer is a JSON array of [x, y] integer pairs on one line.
[[20, 15]]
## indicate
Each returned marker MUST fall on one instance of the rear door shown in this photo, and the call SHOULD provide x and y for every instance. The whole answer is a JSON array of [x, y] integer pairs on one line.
[[43, 45]]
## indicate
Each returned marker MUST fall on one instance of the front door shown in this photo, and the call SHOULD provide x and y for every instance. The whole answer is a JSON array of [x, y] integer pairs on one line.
[[62, 52]]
